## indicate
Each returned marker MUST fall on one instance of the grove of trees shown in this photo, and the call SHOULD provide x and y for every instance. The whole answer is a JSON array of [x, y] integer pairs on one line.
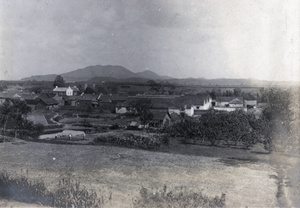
[[222, 128], [13, 120]]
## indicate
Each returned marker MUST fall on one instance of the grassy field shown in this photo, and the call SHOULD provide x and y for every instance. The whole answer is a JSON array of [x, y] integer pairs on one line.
[[122, 172]]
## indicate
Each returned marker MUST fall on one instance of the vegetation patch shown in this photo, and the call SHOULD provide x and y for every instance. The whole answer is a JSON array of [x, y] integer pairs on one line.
[[131, 140], [69, 192], [234, 129], [176, 199]]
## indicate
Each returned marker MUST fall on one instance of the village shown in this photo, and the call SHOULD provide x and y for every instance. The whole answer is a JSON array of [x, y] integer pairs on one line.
[[95, 105]]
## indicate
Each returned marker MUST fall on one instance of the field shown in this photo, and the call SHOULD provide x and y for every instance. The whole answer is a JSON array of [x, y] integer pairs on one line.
[[122, 172]]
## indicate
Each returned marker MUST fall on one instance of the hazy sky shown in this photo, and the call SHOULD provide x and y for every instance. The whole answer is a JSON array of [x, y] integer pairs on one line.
[[183, 38]]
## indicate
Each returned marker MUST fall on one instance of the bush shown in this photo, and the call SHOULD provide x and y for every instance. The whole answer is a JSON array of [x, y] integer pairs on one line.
[[176, 199], [131, 140]]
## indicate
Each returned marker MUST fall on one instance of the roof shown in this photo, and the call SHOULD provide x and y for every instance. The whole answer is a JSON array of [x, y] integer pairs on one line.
[[64, 89], [199, 112], [49, 101], [176, 117], [31, 101], [6, 95], [194, 99], [123, 104], [83, 97], [46, 95], [228, 99], [171, 102], [236, 101], [158, 115], [28, 96], [113, 97], [251, 101]]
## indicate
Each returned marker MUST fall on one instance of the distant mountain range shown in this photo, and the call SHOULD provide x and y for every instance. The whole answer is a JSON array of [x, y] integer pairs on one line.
[[98, 71]]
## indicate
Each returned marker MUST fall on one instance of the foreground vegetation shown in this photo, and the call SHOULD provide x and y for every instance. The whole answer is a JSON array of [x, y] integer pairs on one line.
[[176, 199], [69, 193]]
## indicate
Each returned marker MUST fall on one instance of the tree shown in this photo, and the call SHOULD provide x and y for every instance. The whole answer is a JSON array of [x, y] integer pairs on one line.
[[142, 107], [89, 90], [59, 81], [237, 92], [15, 111], [101, 89]]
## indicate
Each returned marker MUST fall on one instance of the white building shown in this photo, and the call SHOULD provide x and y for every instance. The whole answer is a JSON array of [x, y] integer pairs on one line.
[[68, 91]]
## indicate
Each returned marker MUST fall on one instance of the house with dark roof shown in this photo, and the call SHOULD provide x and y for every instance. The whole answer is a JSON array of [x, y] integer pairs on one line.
[[160, 118], [194, 103], [83, 100], [47, 103]]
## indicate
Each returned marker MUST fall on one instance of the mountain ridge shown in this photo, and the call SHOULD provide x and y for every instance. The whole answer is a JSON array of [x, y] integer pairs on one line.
[[89, 72]]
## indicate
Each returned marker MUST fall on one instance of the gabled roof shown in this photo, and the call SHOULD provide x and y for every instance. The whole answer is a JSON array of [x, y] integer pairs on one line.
[[46, 95], [228, 99], [194, 99], [158, 115], [175, 117], [64, 89], [28, 96], [236, 101]]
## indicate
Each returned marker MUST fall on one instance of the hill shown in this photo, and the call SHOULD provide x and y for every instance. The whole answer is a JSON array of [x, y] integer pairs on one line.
[[90, 72]]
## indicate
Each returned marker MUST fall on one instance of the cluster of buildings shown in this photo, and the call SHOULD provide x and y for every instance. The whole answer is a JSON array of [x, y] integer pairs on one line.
[[164, 107]]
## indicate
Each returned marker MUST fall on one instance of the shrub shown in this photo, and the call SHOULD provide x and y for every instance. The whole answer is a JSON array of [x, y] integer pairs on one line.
[[176, 199], [69, 193]]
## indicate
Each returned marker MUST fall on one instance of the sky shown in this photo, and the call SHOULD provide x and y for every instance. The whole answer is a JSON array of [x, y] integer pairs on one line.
[[256, 39]]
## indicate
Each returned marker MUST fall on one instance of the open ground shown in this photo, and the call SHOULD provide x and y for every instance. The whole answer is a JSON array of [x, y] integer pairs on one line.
[[122, 172]]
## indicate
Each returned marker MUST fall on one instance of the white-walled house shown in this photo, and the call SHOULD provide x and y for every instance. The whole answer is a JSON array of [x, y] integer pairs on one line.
[[196, 103], [229, 103], [68, 91], [235, 102]]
